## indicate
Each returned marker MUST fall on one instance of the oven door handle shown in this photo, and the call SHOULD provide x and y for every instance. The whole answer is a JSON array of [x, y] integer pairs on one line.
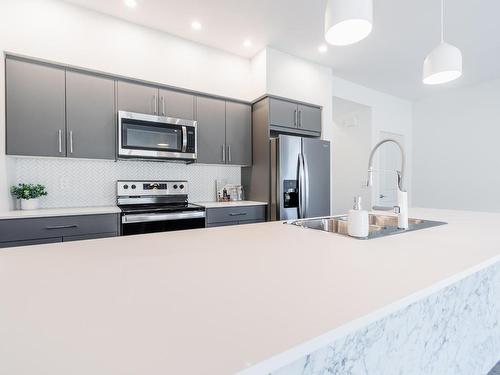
[[144, 218], [184, 139]]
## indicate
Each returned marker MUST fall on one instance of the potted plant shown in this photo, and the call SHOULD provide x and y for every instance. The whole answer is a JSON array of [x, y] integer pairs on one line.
[[28, 194]]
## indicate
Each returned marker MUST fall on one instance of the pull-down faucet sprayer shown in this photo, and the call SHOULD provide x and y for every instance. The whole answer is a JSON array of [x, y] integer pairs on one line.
[[402, 196]]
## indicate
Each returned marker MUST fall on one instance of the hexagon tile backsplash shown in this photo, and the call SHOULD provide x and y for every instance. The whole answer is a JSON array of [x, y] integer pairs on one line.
[[81, 182]]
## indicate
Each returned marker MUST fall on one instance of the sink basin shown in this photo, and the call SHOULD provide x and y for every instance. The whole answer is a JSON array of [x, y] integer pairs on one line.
[[380, 225]]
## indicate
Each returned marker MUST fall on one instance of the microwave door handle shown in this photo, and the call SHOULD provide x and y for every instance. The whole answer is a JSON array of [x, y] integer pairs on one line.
[[184, 139]]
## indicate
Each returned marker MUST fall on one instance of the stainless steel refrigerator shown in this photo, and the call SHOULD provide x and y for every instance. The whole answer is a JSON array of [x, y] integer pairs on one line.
[[300, 177]]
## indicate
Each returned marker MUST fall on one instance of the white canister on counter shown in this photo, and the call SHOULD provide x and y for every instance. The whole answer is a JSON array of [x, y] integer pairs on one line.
[[357, 220]]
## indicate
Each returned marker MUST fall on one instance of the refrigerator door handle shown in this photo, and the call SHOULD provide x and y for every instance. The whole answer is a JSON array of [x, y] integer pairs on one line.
[[301, 187], [305, 209]]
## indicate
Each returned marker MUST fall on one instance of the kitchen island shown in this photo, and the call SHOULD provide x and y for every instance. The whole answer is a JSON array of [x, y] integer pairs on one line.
[[257, 299]]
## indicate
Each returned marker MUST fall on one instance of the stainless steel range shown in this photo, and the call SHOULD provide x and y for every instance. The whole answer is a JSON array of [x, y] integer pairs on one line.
[[156, 206]]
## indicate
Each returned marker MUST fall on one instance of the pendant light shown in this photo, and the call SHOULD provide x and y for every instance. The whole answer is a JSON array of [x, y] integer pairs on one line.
[[444, 63], [348, 21]]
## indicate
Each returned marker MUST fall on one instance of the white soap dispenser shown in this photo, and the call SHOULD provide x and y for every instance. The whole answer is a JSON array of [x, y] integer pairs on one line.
[[357, 220]]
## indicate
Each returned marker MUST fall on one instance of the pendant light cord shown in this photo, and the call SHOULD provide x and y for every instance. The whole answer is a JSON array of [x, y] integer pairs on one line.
[[442, 21]]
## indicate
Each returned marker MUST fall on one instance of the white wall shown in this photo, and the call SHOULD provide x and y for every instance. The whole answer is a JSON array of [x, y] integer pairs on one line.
[[352, 131], [60, 32], [298, 79], [456, 158], [389, 113]]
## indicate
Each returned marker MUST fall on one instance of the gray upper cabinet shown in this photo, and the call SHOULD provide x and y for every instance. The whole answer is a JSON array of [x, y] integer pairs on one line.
[[239, 133], [299, 118], [90, 116], [35, 107], [134, 97], [309, 118], [211, 117], [176, 104], [282, 113]]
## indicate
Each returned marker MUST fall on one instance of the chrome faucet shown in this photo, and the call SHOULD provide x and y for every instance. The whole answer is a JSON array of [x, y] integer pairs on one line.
[[402, 196]]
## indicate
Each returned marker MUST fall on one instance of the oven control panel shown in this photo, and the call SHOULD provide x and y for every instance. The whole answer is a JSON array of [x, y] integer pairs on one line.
[[157, 188]]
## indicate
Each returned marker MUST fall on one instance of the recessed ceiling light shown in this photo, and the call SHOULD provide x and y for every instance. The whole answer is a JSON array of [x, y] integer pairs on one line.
[[247, 43], [130, 3], [322, 48], [195, 25]]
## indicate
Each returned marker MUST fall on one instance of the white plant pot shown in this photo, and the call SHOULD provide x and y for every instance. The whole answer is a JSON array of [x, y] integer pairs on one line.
[[30, 204]]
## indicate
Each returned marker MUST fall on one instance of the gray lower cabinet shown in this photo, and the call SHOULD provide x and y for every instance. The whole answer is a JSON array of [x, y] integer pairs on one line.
[[93, 236], [309, 118], [30, 231], [235, 215], [35, 109], [211, 117], [39, 241], [135, 97], [176, 104], [239, 133], [90, 116]]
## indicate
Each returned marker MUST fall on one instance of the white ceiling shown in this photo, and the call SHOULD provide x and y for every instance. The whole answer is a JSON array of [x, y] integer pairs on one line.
[[389, 60]]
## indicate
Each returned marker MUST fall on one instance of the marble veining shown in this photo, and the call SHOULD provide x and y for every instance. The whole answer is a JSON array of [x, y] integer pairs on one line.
[[454, 331]]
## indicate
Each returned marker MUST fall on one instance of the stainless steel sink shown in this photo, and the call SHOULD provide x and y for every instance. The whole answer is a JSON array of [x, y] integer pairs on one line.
[[380, 225]]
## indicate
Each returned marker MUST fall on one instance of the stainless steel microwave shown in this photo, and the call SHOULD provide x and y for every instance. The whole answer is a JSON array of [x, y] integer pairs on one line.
[[142, 136]]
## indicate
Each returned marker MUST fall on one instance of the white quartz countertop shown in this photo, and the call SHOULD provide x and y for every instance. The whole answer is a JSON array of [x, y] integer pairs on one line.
[[219, 301], [66, 211], [230, 204]]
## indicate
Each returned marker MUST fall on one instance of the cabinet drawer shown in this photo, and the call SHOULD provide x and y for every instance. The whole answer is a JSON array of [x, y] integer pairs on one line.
[[228, 214], [60, 226]]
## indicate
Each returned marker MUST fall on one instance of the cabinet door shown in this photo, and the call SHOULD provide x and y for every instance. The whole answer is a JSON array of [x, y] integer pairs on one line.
[[35, 109], [176, 104], [211, 117], [309, 118], [90, 117], [94, 236], [134, 97], [282, 113], [40, 241], [239, 133]]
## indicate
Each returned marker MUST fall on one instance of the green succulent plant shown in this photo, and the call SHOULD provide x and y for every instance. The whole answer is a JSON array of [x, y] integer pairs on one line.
[[28, 191]]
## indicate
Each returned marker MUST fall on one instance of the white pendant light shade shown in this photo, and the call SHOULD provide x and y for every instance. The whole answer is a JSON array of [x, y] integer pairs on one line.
[[348, 21], [443, 64]]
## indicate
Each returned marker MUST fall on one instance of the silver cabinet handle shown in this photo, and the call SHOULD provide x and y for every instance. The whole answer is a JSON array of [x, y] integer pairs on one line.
[[238, 214], [295, 117], [162, 105], [229, 153], [155, 104], [62, 226], [224, 153], [300, 119], [71, 141], [60, 140]]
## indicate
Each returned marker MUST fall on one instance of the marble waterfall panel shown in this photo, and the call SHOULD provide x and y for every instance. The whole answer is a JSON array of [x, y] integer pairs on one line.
[[455, 331]]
